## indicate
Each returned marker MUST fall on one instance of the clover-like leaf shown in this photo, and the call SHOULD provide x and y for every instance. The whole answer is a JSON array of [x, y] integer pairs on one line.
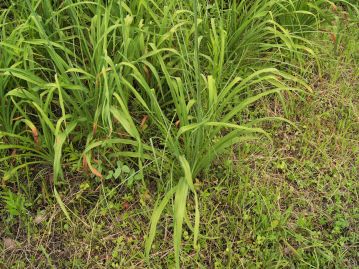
[[117, 172], [126, 169], [110, 174]]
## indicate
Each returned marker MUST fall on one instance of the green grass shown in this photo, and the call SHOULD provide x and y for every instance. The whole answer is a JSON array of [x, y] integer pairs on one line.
[[134, 137]]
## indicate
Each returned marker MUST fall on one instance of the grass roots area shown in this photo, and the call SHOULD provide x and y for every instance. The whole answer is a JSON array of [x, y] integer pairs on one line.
[[179, 134]]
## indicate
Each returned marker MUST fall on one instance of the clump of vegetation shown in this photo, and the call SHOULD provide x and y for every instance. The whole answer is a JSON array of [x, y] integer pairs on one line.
[[127, 93]]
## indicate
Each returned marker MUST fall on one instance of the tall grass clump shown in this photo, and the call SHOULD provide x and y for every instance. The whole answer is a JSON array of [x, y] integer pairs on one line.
[[79, 78]]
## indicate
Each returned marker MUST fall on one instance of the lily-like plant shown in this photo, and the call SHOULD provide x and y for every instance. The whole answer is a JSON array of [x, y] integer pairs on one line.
[[77, 77]]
